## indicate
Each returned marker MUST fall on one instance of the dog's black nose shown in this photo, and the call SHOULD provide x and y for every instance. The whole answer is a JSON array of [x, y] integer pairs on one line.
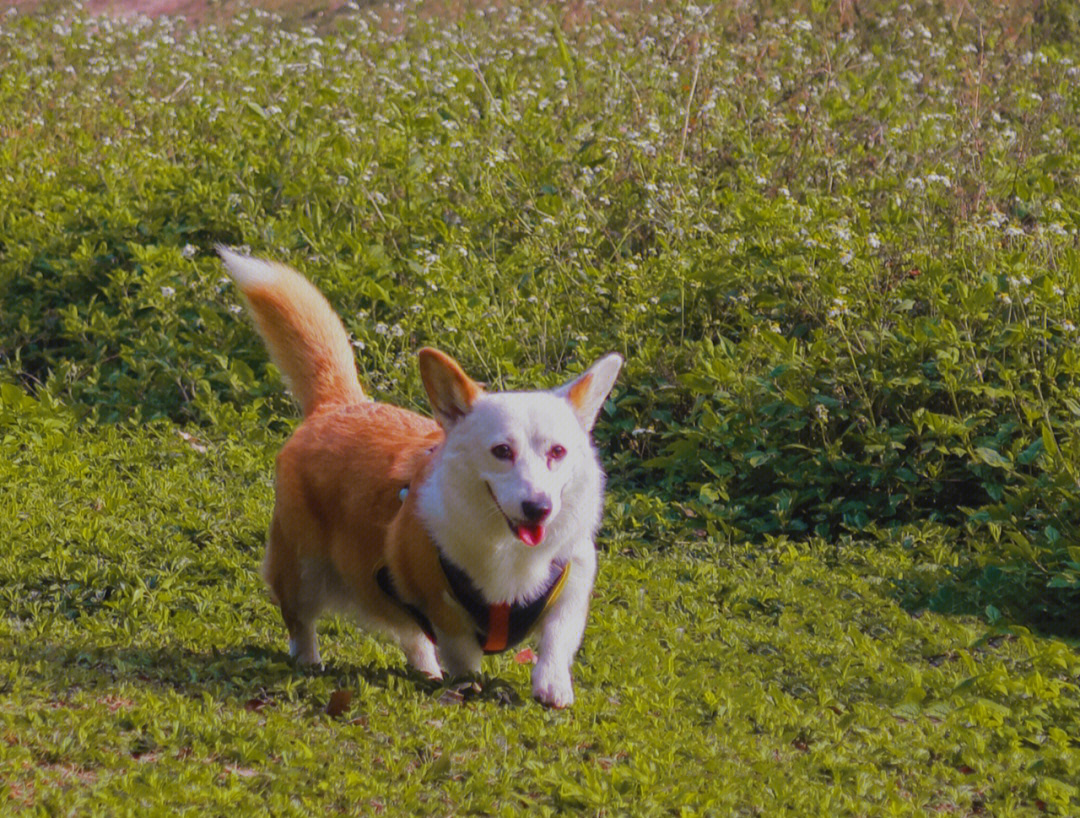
[[536, 512]]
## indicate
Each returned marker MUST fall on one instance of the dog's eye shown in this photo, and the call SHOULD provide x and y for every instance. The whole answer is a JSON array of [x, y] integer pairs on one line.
[[556, 452], [502, 452]]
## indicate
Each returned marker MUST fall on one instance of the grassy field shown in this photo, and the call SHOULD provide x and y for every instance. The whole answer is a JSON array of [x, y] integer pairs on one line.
[[840, 571]]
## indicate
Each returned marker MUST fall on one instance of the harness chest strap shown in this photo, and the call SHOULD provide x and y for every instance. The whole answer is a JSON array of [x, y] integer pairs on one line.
[[499, 625]]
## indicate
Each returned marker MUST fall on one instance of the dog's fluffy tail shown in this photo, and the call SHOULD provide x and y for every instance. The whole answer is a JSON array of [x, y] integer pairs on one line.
[[305, 337]]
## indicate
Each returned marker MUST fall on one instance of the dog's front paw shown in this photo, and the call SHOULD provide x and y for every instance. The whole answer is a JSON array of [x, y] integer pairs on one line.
[[553, 687], [459, 655]]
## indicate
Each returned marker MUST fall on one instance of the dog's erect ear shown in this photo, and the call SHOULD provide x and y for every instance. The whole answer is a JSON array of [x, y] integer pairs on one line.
[[587, 392], [451, 392]]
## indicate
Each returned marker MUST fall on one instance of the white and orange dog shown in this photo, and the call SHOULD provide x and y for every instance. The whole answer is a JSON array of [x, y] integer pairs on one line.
[[457, 537]]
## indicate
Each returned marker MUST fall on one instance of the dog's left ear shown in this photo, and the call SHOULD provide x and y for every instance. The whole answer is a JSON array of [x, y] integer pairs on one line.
[[452, 393], [587, 392]]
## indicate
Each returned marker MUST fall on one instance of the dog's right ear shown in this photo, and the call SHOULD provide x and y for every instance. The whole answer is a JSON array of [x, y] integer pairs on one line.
[[451, 392]]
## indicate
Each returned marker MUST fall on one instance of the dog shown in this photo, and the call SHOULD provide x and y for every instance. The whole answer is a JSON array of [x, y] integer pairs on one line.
[[456, 536]]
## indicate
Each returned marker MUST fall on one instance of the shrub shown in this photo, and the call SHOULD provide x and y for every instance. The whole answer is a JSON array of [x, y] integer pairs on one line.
[[839, 251]]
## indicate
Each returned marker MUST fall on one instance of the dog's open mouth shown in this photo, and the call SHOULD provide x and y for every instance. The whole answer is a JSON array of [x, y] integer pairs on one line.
[[532, 534], [528, 533]]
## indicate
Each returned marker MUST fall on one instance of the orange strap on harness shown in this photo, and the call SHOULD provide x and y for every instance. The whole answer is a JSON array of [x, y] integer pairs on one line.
[[499, 625]]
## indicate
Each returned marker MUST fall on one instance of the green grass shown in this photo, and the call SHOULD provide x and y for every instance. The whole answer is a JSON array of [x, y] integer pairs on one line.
[[143, 668], [838, 247]]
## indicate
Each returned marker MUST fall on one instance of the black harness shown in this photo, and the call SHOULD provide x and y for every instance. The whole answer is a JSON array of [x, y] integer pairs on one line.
[[499, 625]]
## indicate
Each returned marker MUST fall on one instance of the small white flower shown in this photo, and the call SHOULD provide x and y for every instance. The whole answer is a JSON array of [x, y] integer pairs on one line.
[[235, 309], [846, 258], [168, 292], [804, 25], [873, 241], [381, 328]]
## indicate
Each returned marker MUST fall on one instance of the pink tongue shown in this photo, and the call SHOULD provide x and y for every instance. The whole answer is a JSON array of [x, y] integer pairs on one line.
[[530, 534]]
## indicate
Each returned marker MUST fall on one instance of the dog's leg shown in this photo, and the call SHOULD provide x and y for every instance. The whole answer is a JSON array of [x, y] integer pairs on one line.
[[562, 631], [300, 615], [304, 644], [460, 655], [420, 653], [299, 606]]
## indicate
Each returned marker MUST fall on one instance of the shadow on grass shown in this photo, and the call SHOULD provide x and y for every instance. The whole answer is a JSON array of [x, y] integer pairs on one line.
[[1000, 595], [251, 676]]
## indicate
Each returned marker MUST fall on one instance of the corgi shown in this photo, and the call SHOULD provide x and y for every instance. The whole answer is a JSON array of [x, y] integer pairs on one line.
[[456, 536]]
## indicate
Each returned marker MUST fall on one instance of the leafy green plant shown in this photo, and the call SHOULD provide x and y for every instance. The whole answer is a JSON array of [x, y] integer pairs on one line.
[[838, 249]]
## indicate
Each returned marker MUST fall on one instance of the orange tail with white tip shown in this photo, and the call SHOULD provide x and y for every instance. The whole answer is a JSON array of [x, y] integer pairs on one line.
[[304, 335]]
